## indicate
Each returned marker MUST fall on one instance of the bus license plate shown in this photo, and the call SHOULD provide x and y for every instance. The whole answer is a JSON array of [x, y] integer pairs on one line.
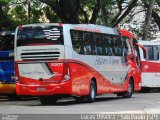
[[41, 89]]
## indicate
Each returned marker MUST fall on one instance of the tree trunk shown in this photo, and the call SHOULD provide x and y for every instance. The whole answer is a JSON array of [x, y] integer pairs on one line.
[[156, 18], [147, 20], [29, 11], [1, 16], [1, 12], [130, 7], [158, 2]]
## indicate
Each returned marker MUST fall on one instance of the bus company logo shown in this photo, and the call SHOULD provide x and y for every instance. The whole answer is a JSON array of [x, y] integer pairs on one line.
[[88, 29], [9, 117], [103, 61], [31, 73], [52, 34]]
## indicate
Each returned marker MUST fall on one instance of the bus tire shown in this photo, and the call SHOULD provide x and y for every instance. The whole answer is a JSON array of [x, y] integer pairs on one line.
[[92, 93], [129, 93], [47, 100]]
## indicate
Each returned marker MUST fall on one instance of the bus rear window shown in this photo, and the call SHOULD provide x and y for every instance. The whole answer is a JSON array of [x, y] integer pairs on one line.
[[40, 35], [6, 42]]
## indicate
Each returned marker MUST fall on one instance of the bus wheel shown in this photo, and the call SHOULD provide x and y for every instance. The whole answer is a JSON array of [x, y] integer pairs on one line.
[[48, 100], [129, 93], [92, 94]]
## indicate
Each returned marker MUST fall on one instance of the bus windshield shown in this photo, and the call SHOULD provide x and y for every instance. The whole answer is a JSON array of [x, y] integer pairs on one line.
[[32, 35], [6, 42], [152, 52]]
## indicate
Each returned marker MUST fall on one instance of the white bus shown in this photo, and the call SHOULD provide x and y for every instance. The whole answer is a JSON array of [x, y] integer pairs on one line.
[[81, 60], [150, 65]]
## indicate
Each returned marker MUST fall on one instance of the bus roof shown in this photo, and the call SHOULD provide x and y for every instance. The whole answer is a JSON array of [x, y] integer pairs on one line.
[[146, 42], [156, 40], [124, 32], [83, 27]]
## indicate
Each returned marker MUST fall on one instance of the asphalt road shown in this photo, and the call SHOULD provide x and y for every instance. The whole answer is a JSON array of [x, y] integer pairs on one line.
[[140, 103]]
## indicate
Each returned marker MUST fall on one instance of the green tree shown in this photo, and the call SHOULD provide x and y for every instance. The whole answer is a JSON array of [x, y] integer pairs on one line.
[[75, 11], [91, 11], [26, 11], [5, 20]]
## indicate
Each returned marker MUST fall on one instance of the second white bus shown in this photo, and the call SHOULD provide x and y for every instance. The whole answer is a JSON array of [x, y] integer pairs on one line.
[[150, 65]]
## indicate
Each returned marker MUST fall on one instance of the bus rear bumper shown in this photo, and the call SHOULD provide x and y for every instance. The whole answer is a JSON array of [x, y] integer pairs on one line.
[[6, 89], [42, 90]]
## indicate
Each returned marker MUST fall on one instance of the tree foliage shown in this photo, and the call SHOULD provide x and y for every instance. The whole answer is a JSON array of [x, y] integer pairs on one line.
[[112, 13], [5, 21], [91, 11], [75, 11]]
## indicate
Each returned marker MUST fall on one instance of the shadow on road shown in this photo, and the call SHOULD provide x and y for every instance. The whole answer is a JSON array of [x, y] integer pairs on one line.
[[72, 101], [18, 99], [34, 101]]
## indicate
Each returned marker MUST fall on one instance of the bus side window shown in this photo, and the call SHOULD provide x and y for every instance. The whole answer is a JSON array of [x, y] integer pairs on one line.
[[121, 46], [152, 53], [126, 46], [87, 44], [113, 45], [98, 43], [107, 45], [112, 40], [137, 53], [76, 37], [156, 53], [118, 45]]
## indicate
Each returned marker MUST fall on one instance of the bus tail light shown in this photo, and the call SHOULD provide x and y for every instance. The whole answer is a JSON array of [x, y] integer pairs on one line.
[[66, 73]]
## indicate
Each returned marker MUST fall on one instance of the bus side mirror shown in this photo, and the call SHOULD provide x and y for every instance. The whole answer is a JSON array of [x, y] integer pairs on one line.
[[143, 48]]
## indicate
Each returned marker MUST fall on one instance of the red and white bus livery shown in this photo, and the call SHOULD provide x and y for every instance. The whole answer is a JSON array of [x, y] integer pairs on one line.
[[81, 60], [150, 65], [135, 57]]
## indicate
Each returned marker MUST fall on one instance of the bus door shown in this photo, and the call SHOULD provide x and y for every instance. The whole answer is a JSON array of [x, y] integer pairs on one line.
[[126, 53], [137, 53]]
